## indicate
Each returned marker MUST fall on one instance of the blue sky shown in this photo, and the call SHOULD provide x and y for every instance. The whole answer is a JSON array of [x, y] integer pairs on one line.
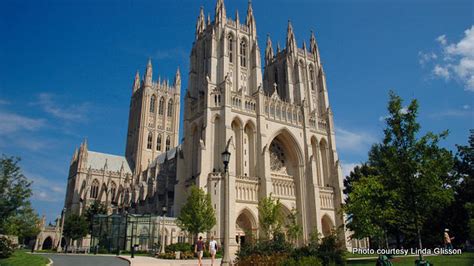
[[67, 69]]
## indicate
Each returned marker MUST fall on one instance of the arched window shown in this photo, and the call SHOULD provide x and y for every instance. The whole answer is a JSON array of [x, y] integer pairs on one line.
[[243, 53], [230, 46], [94, 189], [150, 141], [170, 108], [113, 190], [158, 142], [168, 143], [152, 104], [161, 106], [311, 77]]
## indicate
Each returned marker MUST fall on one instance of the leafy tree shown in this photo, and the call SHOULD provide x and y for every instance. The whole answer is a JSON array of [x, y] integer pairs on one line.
[[75, 227], [24, 224], [15, 189], [270, 216], [95, 208], [197, 214], [357, 173], [414, 170], [293, 229]]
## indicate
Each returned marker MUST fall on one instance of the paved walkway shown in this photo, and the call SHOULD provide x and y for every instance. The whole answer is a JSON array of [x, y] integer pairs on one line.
[[80, 260], [148, 261]]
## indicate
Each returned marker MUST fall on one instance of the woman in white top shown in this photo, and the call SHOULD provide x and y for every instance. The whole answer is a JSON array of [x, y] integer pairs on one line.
[[213, 249]]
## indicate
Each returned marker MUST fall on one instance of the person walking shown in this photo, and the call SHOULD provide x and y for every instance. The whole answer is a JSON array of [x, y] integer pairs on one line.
[[199, 250], [213, 249], [447, 239]]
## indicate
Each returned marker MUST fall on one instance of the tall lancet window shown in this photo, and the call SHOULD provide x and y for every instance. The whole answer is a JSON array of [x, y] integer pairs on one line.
[[150, 141], [168, 143], [170, 108], [230, 46], [158, 142], [94, 189], [311, 77], [161, 106], [113, 191], [152, 104], [243, 53]]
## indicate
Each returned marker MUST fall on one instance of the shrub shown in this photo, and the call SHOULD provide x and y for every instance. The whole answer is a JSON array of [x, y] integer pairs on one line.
[[331, 250], [187, 255], [167, 255], [183, 247], [263, 259], [6, 247]]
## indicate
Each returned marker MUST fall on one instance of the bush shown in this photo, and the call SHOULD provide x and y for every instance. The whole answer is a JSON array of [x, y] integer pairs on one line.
[[187, 255], [263, 259], [167, 255], [6, 247], [331, 250], [183, 247]]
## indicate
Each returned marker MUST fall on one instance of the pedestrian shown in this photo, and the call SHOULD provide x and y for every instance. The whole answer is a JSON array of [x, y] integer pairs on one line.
[[213, 249], [447, 239], [199, 249]]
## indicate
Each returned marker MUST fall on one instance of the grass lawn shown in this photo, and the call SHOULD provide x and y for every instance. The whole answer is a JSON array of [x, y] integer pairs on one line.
[[21, 258], [466, 259]]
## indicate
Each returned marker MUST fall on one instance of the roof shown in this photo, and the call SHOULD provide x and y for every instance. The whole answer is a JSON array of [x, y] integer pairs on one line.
[[97, 160], [171, 154]]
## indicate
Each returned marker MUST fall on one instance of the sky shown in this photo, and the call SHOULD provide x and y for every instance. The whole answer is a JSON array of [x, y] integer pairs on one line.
[[67, 67]]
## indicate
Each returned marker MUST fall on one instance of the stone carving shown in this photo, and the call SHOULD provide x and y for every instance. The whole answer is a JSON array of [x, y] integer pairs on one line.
[[277, 158]]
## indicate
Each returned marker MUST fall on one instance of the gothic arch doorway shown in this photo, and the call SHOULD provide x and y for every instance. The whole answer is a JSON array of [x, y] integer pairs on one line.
[[245, 227], [47, 243], [327, 225]]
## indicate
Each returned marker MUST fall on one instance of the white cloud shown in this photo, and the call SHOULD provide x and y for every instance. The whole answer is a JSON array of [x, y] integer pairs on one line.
[[11, 123], [354, 141], [464, 111], [71, 113], [348, 167], [466, 107], [457, 59], [45, 189], [441, 72]]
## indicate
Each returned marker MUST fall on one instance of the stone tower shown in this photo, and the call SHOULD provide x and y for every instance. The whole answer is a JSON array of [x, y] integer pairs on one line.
[[279, 128], [153, 124]]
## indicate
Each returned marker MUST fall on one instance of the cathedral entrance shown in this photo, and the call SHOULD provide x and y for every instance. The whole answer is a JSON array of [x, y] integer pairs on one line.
[[47, 243], [245, 227]]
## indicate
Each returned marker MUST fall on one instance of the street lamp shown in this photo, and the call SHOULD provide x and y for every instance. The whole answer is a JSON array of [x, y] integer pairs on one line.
[[226, 260], [164, 210]]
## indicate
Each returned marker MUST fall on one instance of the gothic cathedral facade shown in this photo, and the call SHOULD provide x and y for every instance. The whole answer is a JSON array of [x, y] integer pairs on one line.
[[274, 118]]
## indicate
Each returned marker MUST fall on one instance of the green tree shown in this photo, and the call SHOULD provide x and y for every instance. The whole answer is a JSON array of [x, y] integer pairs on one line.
[[270, 216], [293, 229], [357, 173], [197, 214], [15, 189], [24, 224], [95, 208], [75, 227]]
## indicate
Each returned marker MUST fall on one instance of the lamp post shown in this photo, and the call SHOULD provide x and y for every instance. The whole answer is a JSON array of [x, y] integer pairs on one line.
[[226, 260], [162, 246]]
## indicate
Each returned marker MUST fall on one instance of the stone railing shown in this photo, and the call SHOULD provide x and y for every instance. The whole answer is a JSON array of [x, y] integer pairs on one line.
[[326, 195], [278, 110], [246, 188], [249, 104], [317, 123]]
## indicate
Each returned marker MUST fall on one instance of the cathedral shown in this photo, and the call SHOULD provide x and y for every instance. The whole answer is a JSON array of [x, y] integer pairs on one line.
[[275, 120]]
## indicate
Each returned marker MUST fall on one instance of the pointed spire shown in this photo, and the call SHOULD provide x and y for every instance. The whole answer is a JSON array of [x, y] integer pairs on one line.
[[268, 50], [177, 79], [136, 82], [148, 73], [313, 47], [290, 39], [200, 24], [237, 18], [304, 46], [208, 19], [250, 21], [278, 48], [220, 16]]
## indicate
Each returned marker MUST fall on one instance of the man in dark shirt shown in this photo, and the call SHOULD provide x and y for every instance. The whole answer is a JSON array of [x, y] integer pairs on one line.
[[199, 249]]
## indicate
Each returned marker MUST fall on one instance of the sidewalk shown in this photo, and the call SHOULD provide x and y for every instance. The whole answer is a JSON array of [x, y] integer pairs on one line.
[[149, 261]]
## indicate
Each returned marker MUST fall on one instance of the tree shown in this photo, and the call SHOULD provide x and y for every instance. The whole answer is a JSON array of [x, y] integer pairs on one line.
[[357, 173], [24, 224], [197, 214], [415, 170], [270, 216], [95, 208], [75, 227], [293, 229], [15, 189]]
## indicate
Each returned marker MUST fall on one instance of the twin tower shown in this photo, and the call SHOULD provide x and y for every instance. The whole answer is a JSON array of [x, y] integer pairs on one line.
[[277, 124]]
